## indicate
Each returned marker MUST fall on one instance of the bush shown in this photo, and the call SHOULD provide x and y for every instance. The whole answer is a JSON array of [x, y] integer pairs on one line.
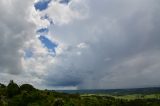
[[58, 102]]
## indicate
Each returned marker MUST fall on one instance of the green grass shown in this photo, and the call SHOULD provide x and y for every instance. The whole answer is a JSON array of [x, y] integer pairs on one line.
[[127, 97]]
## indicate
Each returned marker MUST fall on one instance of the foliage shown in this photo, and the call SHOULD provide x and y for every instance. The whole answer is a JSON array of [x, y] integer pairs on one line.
[[27, 95], [12, 89], [2, 86], [27, 87]]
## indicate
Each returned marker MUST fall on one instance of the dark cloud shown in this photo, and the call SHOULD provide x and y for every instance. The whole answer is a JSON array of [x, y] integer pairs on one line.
[[123, 47], [69, 80]]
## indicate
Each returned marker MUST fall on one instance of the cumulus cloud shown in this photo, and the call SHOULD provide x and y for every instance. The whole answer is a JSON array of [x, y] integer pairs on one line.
[[63, 14], [15, 29], [100, 44], [17, 32]]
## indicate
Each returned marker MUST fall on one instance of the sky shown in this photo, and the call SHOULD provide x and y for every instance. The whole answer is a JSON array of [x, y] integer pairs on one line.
[[80, 44]]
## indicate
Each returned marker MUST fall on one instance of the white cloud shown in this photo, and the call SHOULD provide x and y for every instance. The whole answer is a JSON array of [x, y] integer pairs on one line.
[[17, 32], [15, 29], [64, 14], [82, 45], [98, 41]]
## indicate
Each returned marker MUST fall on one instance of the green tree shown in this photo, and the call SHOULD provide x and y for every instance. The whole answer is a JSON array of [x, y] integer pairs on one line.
[[2, 86], [12, 89], [27, 87]]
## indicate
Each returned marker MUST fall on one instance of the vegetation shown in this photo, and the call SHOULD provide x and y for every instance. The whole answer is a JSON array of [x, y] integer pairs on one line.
[[27, 95]]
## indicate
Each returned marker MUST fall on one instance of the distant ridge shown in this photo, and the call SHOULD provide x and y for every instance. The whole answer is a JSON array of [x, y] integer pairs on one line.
[[149, 90]]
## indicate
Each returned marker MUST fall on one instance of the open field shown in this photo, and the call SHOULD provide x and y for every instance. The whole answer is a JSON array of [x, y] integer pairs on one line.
[[127, 97]]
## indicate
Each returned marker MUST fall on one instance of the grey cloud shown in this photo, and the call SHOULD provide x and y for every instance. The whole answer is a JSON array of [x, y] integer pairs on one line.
[[121, 51], [141, 70], [118, 31], [15, 29]]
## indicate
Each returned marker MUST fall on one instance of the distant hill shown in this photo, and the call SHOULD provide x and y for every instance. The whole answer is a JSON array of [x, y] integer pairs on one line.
[[150, 90]]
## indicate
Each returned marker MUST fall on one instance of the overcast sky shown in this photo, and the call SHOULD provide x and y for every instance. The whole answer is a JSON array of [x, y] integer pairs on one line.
[[80, 44]]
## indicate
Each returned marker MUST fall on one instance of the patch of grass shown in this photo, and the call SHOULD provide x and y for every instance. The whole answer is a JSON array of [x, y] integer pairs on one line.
[[127, 97]]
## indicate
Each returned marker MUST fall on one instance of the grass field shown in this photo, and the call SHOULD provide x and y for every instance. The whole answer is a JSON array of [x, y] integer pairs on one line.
[[127, 97]]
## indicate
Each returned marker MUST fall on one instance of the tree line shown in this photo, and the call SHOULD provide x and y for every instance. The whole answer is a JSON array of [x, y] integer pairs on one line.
[[27, 95]]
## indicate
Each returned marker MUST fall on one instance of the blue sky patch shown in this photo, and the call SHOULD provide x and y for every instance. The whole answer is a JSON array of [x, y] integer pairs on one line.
[[28, 53], [48, 43], [42, 5], [43, 30], [47, 18], [64, 1]]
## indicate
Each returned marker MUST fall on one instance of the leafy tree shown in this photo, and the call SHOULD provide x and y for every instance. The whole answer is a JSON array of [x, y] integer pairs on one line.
[[12, 89], [2, 90], [27, 87], [2, 86]]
